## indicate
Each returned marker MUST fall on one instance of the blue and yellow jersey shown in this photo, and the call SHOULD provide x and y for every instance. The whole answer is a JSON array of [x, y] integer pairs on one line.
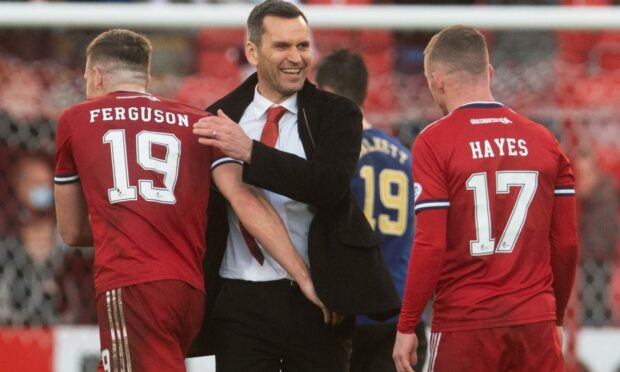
[[383, 189]]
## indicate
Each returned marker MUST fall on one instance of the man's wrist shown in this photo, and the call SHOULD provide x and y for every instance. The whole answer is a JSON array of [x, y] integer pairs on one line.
[[248, 155]]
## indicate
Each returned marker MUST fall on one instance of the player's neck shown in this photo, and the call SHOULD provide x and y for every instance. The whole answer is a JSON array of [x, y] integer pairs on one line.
[[127, 88], [468, 95]]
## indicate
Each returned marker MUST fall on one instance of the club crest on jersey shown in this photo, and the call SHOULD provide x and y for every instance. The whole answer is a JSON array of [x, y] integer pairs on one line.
[[502, 120], [417, 190]]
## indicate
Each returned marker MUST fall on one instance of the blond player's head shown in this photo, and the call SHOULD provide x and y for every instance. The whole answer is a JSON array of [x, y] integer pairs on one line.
[[117, 57], [455, 58]]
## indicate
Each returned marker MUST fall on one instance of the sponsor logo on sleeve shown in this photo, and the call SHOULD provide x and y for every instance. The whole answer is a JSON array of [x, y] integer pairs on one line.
[[417, 190]]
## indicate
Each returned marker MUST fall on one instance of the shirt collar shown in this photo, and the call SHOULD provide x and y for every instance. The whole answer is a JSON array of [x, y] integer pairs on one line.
[[261, 104], [481, 104]]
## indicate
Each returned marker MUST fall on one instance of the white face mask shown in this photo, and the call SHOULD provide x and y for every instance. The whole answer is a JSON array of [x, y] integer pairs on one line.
[[41, 197]]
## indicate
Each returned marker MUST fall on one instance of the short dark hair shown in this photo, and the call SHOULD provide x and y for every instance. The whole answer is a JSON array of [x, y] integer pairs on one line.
[[126, 47], [459, 48], [276, 8], [345, 72]]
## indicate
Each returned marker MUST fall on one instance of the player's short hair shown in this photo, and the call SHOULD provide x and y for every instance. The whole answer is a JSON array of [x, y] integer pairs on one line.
[[130, 50], [459, 48], [345, 72], [275, 8]]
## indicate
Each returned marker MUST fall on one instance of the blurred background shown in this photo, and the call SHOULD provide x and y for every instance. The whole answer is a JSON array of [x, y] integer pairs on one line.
[[567, 79]]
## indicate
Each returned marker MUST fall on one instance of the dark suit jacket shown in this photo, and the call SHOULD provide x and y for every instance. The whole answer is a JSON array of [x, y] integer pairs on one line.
[[346, 263]]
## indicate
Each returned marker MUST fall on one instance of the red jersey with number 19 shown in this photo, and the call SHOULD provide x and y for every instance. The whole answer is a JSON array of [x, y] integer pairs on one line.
[[498, 174], [146, 182]]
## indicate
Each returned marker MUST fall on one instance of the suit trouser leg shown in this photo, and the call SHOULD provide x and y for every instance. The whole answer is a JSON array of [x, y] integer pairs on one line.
[[271, 326], [313, 346], [373, 345]]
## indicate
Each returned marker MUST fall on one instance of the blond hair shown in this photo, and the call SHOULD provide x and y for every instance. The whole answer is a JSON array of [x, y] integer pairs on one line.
[[458, 49]]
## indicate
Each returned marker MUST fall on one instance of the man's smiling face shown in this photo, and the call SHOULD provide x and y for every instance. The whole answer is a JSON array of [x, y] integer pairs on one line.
[[282, 58]]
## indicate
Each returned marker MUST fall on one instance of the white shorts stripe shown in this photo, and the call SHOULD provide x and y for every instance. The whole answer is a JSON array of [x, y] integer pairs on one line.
[[124, 331], [108, 299], [117, 330], [435, 339], [121, 358]]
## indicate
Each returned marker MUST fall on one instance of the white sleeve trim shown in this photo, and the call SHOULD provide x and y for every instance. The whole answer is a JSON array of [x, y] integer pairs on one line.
[[564, 192], [66, 179]]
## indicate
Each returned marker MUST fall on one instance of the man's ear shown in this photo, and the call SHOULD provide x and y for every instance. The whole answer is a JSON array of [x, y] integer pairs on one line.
[[251, 53], [99, 77], [491, 71], [439, 81]]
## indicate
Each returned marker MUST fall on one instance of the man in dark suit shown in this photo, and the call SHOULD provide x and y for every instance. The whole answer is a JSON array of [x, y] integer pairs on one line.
[[383, 188], [298, 146]]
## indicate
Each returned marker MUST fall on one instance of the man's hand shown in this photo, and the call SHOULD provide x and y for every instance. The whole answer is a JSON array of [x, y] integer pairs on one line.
[[404, 353], [329, 317], [220, 131], [560, 335]]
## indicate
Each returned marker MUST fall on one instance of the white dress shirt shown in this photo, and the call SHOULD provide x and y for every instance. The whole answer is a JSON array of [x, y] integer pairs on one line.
[[238, 263]]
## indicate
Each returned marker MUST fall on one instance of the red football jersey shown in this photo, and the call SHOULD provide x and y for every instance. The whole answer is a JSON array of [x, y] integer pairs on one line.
[[497, 173], [146, 181]]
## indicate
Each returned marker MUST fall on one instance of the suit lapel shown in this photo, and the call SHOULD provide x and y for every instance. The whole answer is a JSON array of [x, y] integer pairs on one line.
[[307, 120]]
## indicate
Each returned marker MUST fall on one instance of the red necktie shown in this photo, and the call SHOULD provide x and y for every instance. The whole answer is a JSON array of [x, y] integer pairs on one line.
[[269, 137]]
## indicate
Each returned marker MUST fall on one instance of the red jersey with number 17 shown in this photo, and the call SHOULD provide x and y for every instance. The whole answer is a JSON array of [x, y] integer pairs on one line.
[[498, 174], [146, 182]]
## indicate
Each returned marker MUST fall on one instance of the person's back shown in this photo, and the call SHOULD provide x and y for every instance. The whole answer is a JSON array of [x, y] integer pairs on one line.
[[382, 186], [495, 224], [132, 180], [502, 172], [146, 180]]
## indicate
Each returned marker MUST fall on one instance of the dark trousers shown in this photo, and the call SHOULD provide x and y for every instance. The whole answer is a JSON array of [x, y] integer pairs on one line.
[[272, 327], [373, 345]]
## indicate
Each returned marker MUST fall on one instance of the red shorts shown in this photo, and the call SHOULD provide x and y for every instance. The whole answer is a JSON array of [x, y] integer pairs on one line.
[[148, 326], [527, 347]]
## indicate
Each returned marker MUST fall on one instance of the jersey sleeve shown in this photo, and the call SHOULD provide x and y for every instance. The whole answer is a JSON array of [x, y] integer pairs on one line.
[[65, 170], [425, 262], [563, 237], [429, 248], [220, 159], [565, 182], [430, 187]]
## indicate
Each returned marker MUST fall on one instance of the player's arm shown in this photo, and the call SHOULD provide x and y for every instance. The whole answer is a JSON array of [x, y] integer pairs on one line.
[[71, 208], [265, 225], [425, 263], [428, 252], [72, 215], [563, 239]]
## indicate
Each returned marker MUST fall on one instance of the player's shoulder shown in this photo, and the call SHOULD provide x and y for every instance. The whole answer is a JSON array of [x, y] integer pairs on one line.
[[382, 149], [81, 108], [537, 128], [182, 107], [437, 127]]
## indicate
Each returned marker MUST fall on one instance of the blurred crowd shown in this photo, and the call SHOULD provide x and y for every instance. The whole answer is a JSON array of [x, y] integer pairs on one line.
[[567, 81]]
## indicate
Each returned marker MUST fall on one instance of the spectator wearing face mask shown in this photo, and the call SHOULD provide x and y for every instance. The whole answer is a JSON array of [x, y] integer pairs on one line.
[[31, 256]]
